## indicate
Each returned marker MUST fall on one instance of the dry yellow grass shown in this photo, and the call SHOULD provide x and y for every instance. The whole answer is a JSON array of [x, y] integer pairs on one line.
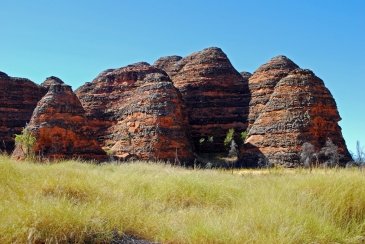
[[79, 202]]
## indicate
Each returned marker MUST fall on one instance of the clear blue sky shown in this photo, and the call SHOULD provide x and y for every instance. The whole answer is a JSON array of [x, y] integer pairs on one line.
[[75, 40]]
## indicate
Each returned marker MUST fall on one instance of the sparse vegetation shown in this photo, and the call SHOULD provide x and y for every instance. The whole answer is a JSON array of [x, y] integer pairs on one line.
[[327, 156], [229, 137], [26, 141], [78, 202], [330, 151], [232, 135], [243, 135], [208, 139], [233, 150], [360, 154], [307, 155]]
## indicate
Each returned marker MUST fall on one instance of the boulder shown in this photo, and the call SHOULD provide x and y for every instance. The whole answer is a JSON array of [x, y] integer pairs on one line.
[[138, 113]]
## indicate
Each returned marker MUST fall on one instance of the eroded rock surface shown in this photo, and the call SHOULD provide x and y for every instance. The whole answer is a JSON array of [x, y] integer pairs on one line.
[[301, 109], [52, 80], [18, 99], [263, 81], [246, 75], [168, 64], [174, 108], [215, 94], [137, 112], [61, 128]]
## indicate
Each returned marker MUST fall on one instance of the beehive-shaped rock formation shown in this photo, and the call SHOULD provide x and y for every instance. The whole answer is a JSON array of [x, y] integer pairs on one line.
[[61, 128], [18, 98], [263, 81], [215, 94], [137, 112], [301, 109]]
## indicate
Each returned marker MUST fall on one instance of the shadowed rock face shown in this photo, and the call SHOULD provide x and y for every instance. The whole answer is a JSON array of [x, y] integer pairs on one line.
[[61, 128], [246, 75], [263, 81], [215, 94], [136, 111], [301, 109], [18, 98]]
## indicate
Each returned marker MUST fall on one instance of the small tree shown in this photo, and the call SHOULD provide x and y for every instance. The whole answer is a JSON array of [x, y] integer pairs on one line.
[[307, 155], [233, 151], [26, 141], [360, 154], [243, 136], [233, 147], [263, 162], [330, 150], [229, 137]]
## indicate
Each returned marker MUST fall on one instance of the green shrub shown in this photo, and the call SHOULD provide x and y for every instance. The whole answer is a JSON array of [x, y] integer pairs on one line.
[[26, 141], [229, 137]]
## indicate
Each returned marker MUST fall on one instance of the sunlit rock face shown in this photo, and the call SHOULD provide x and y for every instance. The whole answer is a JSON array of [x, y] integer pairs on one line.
[[300, 109], [52, 80], [18, 99], [137, 112], [61, 128], [216, 96], [263, 81], [176, 110]]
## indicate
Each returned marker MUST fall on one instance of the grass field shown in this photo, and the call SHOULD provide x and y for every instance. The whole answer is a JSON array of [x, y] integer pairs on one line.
[[79, 202]]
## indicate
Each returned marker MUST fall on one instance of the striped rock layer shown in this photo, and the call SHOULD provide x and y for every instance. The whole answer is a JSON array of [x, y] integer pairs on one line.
[[216, 96], [137, 112], [300, 109], [263, 81], [18, 99], [61, 128]]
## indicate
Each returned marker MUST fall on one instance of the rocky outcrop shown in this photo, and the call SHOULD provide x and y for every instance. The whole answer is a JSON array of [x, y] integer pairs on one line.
[[168, 64], [174, 108], [52, 80], [18, 98], [137, 112], [215, 94], [300, 109], [263, 81], [61, 128], [246, 75]]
